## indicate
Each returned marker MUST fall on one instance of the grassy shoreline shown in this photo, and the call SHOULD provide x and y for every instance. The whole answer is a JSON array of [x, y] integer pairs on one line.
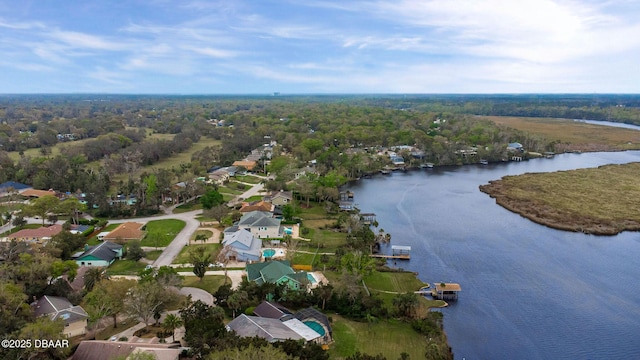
[[599, 201]]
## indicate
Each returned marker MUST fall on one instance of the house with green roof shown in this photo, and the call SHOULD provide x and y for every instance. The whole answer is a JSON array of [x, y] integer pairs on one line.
[[100, 255], [277, 272]]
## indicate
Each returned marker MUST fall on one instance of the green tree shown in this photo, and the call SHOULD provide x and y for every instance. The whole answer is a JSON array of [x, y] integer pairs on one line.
[[92, 276], [14, 309], [204, 327], [60, 267], [147, 299], [107, 298], [407, 304], [211, 198], [134, 250], [237, 301], [218, 212], [200, 260], [42, 206], [44, 328], [171, 323]]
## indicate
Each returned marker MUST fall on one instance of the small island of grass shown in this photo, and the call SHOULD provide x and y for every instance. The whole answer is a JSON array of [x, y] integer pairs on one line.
[[601, 201]]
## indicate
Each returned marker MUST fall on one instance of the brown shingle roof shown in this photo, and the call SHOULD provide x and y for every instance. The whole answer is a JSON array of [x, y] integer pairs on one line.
[[107, 350], [256, 206], [126, 231], [448, 287], [249, 165], [39, 233], [38, 193]]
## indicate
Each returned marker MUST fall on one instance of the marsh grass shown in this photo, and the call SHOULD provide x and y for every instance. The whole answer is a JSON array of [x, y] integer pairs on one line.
[[599, 200]]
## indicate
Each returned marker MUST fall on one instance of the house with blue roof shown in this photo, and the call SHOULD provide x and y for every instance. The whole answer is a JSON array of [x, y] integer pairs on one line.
[[243, 246], [13, 187]]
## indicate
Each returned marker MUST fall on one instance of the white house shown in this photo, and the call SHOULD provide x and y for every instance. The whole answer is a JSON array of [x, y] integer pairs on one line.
[[261, 224]]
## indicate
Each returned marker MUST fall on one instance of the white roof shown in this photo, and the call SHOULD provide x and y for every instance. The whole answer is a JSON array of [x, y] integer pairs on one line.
[[301, 329]]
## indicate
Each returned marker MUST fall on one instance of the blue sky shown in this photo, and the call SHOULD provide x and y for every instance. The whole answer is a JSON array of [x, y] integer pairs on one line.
[[319, 46]]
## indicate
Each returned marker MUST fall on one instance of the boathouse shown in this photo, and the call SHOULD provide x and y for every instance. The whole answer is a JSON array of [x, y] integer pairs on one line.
[[446, 291], [400, 250]]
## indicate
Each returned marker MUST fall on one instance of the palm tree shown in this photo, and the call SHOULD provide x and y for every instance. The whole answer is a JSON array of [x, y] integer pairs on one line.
[[172, 322], [92, 276]]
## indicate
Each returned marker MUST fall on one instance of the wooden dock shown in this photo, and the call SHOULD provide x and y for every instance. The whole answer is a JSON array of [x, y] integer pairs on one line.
[[401, 257], [398, 252]]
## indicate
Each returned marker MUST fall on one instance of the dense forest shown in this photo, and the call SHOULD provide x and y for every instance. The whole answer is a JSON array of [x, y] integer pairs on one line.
[[117, 136]]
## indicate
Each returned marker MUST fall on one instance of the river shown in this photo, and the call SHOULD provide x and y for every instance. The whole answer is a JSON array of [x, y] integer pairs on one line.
[[528, 291]]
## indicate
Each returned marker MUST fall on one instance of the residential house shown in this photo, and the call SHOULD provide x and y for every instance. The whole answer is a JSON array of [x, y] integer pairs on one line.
[[247, 164], [13, 187], [243, 246], [75, 318], [318, 321], [310, 317], [109, 350], [41, 234], [38, 193], [515, 147], [126, 231], [277, 272], [256, 206], [261, 224], [103, 254], [279, 198], [273, 310], [272, 330]]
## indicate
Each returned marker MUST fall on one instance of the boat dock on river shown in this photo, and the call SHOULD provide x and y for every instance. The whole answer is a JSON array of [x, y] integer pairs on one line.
[[397, 252]]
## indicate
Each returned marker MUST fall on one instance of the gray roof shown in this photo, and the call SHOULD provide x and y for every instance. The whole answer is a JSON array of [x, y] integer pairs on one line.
[[271, 310], [267, 221], [59, 308], [251, 217], [270, 329], [243, 241], [301, 329], [105, 251]]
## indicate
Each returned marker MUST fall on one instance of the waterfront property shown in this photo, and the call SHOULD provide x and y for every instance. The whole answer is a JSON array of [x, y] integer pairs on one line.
[[272, 330], [397, 252], [446, 291], [277, 272]]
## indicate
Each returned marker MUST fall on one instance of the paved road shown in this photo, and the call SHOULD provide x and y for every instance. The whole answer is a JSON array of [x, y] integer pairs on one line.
[[197, 294]]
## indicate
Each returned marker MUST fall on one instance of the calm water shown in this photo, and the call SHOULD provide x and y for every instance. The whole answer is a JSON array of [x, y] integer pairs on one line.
[[528, 292]]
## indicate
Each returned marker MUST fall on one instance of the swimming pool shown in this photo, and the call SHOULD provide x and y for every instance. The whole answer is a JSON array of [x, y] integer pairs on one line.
[[311, 278], [267, 253]]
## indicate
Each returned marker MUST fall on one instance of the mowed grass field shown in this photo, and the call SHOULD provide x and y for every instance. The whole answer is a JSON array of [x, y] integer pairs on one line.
[[387, 337], [578, 135], [601, 200]]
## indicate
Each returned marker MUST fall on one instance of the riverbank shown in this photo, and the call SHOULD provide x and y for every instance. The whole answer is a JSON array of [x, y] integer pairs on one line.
[[599, 201]]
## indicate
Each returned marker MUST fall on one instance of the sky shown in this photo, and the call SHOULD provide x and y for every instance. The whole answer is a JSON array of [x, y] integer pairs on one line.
[[319, 46]]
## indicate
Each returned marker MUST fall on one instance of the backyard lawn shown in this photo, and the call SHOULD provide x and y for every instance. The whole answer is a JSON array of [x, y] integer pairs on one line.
[[183, 257], [387, 337], [125, 267], [209, 283]]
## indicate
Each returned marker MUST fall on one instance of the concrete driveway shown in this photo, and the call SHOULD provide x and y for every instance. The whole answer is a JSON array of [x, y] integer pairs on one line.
[[197, 294]]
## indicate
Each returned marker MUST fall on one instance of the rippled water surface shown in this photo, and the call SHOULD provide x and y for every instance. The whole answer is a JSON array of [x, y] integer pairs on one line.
[[528, 292]]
